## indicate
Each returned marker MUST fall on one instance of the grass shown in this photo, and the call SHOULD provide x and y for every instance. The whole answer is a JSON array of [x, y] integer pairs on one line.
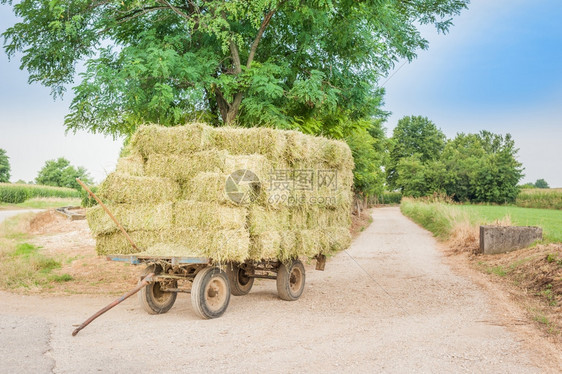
[[543, 198], [42, 203], [441, 218], [550, 220], [22, 264]]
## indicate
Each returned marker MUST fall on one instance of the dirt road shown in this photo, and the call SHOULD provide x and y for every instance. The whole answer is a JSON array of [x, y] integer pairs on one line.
[[4, 214], [410, 314]]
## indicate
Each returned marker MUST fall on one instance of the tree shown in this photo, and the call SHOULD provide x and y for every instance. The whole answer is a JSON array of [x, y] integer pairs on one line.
[[368, 154], [414, 136], [4, 167], [541, 183], [60, 173], [472, 167], [310, 65]]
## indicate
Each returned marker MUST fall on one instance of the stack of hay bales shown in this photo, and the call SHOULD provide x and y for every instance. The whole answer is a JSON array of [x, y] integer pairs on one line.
[[169, 194]]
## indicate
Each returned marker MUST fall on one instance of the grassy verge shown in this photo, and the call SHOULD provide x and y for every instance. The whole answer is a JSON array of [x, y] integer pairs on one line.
[[42, 203], [535, 272], [23, 265], [442, 219]]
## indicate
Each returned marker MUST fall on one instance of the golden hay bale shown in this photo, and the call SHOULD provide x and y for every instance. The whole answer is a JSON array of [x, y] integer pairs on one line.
[[189, 213], [221, 245], [133, 217], [116, 243], [257, 164], [169, 140], [266, 245], [185, 167], [299, 147], [207, 187], [338, 238], [316, 217], [123, 188], [243, 141], [131, 165], [261, 219], [302, 209]]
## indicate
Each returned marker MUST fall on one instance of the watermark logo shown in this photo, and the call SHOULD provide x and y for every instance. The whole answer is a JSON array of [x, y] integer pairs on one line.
[[284, 186], [242, 187]]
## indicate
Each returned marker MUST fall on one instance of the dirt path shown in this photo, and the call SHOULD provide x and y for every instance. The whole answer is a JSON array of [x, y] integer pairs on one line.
[[410, 314], [5, 214]]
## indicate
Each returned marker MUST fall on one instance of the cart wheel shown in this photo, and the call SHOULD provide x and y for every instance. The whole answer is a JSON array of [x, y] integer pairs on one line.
[[239, 279], [290, 280], [152, 299], [210, 293]]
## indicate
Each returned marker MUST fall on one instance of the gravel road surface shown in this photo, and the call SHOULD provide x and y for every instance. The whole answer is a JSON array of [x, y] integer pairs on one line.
[[389, 304]]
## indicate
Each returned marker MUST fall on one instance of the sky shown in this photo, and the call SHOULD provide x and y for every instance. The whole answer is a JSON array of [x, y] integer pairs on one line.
[[499, 69]]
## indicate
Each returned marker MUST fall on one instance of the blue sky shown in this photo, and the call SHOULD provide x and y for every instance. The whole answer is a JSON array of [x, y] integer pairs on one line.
[[499, 68]]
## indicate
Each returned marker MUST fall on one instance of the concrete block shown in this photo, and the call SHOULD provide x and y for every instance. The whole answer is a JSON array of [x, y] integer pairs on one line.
[[501, 239]]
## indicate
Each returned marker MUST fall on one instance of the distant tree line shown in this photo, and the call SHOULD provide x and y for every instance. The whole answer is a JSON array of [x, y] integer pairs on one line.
[[540, 183], [471, 167], [56, 173]]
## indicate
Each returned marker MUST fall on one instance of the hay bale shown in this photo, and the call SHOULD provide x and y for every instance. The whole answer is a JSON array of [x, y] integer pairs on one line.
[[116, 243], [338, 239], [316, 217], [189, 167], [207, 187], [184, 168], [210, 216], [180, 140], [262, 219], [257, 164], [133, 217], [123, 188], [266, 245], [221, 245], [243, 141], [131, 165]]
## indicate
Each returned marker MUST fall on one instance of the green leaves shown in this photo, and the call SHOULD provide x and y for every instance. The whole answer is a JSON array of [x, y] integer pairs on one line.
[[60, 173], [4, 167], [472, 167], [312, 65]]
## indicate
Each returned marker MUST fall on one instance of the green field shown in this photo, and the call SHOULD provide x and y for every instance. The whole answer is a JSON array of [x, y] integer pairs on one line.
[[543, 198], [12, 193], [440, 218], [550, 220], [42, 203]]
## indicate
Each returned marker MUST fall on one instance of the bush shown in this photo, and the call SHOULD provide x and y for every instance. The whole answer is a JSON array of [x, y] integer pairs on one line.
[[18, 193], [87, 200]]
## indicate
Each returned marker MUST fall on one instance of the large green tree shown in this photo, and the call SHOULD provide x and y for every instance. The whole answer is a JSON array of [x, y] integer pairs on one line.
[[4, 166], [60, 173], [312, 65], [417, 139]]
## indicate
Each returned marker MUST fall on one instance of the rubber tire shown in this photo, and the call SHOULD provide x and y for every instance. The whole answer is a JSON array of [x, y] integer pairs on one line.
[[240, 284], [200, 293], [151, 299], [290, 280]]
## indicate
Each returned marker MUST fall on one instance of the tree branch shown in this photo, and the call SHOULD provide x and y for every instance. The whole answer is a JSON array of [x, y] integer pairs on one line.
[[175, 9], [254, 47], [235, 57]]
